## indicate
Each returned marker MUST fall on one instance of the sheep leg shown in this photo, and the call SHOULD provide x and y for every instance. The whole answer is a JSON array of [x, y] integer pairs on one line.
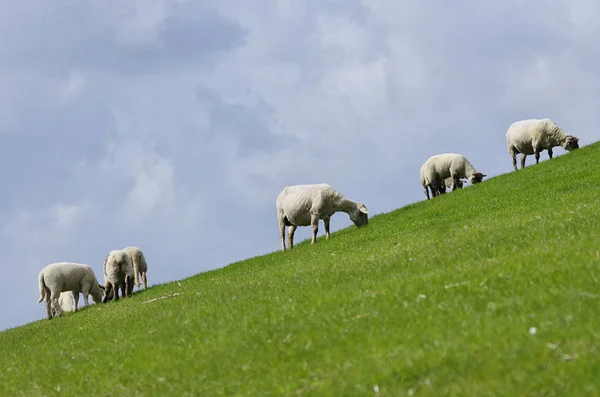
[[427, 192], [456, 182], [124, 286], [537, 157], [282, 233], [523, 156], [326, 221], [550, 153], [433, 191], [144, 281], [513, 153], [85, 290], [116, 292], [136, 270], [128, 286], [54, 299], [291, 232], [314, 221], [49, 309]]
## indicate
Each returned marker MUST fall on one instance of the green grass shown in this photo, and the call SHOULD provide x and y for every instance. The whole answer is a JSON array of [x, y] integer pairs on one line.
[[433, 299]]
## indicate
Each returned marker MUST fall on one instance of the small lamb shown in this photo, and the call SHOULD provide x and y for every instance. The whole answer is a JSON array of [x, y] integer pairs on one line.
[[118, 273], [533, 136], [438, 168], [67, 276], [304, 205], [139, 264]]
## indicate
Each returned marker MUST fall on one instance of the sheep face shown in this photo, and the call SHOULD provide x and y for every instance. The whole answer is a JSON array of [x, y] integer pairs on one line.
[[360, 215], [477, 177], [571, 143], [107, 292]]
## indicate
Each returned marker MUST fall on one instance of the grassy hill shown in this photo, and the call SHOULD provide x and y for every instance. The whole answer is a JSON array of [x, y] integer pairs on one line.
[[438, 298]]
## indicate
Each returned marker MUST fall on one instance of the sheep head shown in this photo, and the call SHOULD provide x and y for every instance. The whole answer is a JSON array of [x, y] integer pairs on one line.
[[359, 215], [571, 143], [477, 177]]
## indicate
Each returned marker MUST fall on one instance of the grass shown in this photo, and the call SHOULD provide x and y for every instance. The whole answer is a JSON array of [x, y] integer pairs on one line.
[[433, 299]]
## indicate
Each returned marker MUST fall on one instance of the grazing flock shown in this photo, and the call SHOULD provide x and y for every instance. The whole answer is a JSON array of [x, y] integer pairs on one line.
[[61, 283], [301, 205]]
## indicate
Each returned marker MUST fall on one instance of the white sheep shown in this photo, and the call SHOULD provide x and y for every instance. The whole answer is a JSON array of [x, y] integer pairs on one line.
[[118, 273], [304, 205], [447, 165], [140, 267], [67, 276], [533, 136]]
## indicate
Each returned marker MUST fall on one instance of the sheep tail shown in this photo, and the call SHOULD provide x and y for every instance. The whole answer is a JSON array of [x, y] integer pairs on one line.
[[42, 288]]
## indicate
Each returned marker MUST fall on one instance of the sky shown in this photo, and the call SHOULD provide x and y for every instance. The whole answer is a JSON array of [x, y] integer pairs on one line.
[[173, 125]]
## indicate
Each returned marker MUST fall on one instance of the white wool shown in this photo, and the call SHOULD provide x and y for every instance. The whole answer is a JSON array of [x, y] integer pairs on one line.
[[140, 267], [437, 169], [118, 273], [304, 205], [67, 276], [67, 301], [533, 136]]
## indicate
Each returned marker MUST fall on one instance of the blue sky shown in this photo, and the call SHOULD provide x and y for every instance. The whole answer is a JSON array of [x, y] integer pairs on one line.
[[173, 125]]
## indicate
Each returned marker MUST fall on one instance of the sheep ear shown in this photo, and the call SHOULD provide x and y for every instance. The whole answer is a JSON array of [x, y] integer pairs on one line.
[[363, 209], [483, 175], [101, 287]]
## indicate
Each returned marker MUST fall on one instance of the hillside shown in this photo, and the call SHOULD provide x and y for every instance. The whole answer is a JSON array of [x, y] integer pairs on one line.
[[434, 299]]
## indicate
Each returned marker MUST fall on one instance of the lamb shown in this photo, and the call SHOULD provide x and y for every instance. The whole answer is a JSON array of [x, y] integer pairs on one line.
[[304, 205], [67, 276], [447, 165], [139, 264], [118, 273], [533, 136]]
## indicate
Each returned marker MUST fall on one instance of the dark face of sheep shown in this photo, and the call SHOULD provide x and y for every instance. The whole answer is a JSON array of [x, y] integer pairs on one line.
[[107, 290], [571, 143], [360, 216], [477, 177]]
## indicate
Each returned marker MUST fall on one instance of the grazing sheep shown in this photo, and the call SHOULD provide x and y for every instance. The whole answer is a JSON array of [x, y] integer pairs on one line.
[[304, 205], [67, 276], [139, 264], [118, 273], [447, 165], [533, 136]]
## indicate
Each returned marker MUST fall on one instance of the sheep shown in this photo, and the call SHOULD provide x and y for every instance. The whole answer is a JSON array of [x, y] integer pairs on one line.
[[118, 273], [438, 168], [139, 264], [67, 276], [304, 205], [533, 136]]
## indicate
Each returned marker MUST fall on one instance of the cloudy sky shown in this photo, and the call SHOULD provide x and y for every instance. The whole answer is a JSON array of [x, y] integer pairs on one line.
[[174, 124]]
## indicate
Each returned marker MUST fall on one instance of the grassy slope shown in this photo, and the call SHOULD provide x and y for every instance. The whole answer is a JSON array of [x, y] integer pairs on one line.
[[433, 299]]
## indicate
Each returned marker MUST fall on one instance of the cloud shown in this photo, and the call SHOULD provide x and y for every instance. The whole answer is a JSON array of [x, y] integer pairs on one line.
[[174, 124]]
